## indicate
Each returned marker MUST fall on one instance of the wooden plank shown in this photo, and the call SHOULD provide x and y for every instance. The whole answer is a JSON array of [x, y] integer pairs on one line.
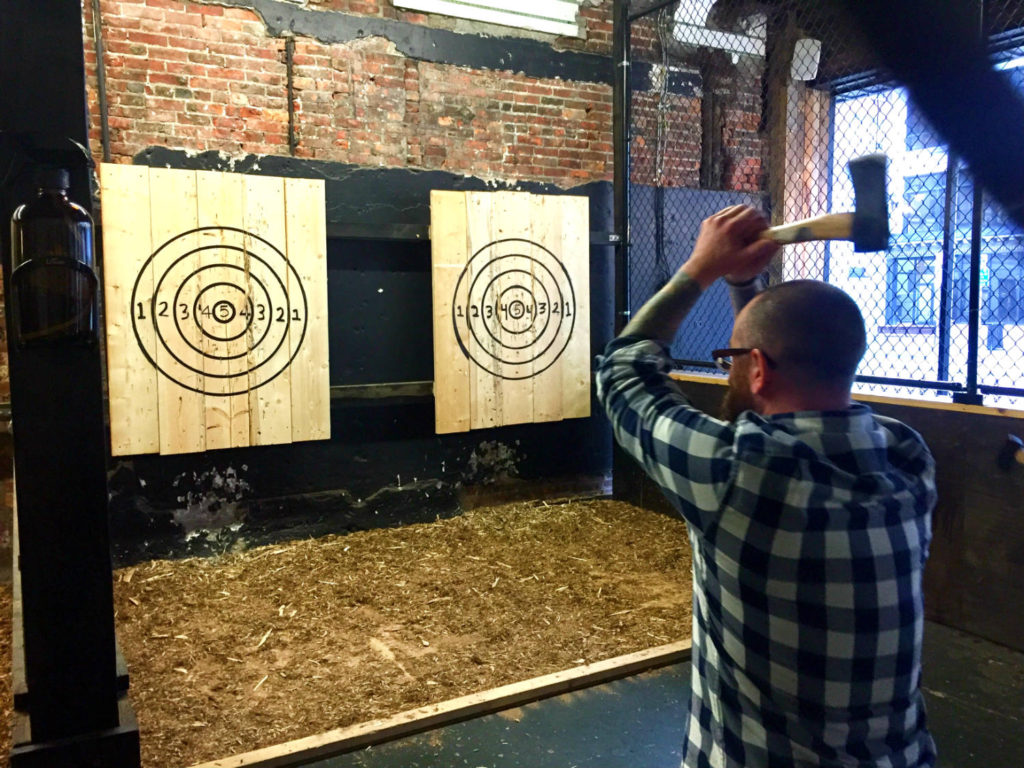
[[513, 216], [980, 410], [270, 409], [132, 379], [173, 215], [221, 198], [384, 390], [484, 391], [418, 720], [575, 253], [449, 246], [307, 254], [547, 384], [526, 293]]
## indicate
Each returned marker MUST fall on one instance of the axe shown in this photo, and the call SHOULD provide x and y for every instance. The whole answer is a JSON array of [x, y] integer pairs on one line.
[[867, 226]]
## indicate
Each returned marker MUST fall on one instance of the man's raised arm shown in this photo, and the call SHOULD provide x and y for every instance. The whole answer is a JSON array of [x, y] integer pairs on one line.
[[680, 447]]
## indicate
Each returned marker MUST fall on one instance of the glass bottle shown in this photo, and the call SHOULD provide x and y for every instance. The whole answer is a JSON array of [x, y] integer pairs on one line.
[[53, 282]]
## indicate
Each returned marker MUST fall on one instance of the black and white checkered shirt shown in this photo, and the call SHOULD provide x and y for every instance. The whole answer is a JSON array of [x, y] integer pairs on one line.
[[809, 532]]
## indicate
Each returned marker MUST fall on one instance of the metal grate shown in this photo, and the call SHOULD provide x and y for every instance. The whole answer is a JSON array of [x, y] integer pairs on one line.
[[766, 105]]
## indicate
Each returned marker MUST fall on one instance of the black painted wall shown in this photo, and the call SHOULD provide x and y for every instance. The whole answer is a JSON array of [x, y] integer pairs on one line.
[[383, 464]]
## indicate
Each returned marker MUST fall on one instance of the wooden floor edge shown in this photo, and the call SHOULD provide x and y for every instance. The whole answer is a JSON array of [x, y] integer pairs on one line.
[[412, 721]]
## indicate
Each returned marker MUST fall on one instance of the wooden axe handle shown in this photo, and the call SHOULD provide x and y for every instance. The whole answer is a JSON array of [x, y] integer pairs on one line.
[[830, 226]]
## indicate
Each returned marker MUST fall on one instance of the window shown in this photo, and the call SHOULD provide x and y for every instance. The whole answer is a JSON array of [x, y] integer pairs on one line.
[[557, 17], [913, 334]]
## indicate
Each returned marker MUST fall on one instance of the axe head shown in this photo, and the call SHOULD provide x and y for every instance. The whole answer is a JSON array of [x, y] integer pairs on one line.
[[871, 203]]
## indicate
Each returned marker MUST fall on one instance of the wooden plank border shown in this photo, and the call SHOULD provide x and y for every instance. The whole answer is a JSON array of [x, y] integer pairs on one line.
[[933, 405], [374, 732]]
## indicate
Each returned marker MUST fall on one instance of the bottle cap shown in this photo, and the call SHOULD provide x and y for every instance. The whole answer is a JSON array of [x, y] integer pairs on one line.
[[53, 178]]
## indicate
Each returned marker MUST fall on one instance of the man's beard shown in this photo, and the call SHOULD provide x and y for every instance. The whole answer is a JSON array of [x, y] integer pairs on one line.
[[738, 398]]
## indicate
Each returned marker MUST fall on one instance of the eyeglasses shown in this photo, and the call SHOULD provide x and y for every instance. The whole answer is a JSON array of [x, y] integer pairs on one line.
[[723, 357]]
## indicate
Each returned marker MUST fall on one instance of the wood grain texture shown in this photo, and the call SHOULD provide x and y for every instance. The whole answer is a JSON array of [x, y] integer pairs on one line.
[[511, 308], [222, 203], [174, 216], [449, 252], [270, 404], [134, 417], [575, 239], [216, 302], [484, 394], [307, 256]]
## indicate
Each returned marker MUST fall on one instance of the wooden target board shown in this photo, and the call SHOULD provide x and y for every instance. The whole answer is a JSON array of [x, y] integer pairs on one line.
[[511, 308], [216, 307]]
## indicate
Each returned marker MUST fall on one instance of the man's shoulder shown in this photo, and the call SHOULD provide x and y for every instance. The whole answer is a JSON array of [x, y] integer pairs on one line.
[[901, 432]]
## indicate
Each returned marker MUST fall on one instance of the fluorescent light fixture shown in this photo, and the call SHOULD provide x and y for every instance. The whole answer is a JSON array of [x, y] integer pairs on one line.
[[556, 17]]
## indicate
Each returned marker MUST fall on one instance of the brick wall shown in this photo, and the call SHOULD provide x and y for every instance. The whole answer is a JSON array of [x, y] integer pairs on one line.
[[199, 76], [744, 148], [667, 133]]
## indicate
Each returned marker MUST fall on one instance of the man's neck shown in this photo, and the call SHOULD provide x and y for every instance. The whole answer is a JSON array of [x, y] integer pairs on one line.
[[818, 401]]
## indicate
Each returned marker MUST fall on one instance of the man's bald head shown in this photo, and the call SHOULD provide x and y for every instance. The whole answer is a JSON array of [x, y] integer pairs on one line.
[[813, 330]]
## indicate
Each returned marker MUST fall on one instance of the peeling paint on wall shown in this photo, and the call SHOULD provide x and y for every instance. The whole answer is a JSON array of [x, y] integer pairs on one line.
[[469, 48], [491, 462], [212, 500]]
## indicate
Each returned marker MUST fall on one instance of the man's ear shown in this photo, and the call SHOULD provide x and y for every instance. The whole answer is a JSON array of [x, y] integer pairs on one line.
[[761, 375]]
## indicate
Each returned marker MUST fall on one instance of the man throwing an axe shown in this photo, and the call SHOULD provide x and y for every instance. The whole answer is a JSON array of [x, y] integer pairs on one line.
[[808, 515]]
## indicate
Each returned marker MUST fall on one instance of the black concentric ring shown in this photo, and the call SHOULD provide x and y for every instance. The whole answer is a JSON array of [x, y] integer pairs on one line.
[[281, 308], [547, 289]]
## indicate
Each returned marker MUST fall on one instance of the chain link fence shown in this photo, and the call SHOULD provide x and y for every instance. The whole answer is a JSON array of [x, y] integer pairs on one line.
[[765, 104]]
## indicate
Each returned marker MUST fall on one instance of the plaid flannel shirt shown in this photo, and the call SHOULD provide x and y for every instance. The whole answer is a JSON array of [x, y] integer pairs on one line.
[[809, 533]]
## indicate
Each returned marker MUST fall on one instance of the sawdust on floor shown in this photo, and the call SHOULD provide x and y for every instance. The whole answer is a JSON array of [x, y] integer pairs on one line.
[[253, 649]]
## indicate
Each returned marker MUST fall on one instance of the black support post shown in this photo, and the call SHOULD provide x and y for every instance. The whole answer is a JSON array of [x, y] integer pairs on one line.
[[971, 395], [75, 714], [621, 94], [626, 481], [948, 253]]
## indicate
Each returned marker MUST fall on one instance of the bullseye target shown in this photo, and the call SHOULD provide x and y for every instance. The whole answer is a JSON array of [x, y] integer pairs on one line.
[[221, 313], [215, 298], [511, 285], [514, 308]]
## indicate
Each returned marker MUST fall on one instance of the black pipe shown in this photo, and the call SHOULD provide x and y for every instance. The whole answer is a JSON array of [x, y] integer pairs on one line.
[[826, 271], [622, 94], [101, 80], [970, 395], [664, 274], [626, 483], [1006, 391], [289, 60], [948, 250]]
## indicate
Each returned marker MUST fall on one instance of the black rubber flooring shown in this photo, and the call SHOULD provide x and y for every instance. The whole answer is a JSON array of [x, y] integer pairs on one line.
[[974, 691]]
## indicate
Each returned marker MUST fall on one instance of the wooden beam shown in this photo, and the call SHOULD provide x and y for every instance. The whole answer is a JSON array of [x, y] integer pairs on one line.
[[382, 390], [981, 410], [781, 40], [426, 718]]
